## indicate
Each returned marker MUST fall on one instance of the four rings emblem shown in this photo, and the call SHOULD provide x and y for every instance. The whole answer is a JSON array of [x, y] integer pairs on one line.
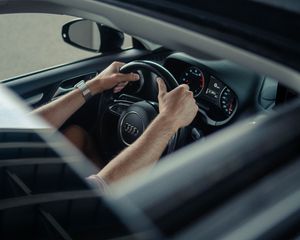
[[132, 130], [131, 126]]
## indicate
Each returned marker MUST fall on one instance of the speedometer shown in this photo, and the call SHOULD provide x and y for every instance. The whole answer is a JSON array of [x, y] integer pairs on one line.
[[195, 79]]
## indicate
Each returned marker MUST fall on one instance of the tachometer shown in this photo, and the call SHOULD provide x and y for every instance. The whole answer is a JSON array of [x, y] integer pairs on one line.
[[228, 101], [195, 79]]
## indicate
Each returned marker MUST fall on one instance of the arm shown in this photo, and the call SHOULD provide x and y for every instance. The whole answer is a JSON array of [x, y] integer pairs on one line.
[[177, 109], [145, 151], [58, 111]]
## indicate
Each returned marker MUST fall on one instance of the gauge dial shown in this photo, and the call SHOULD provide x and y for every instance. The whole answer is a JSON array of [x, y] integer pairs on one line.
[[195, 79], [228, 101]]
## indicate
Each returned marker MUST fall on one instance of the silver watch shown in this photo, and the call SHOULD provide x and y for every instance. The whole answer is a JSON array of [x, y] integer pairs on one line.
[[86, 92]]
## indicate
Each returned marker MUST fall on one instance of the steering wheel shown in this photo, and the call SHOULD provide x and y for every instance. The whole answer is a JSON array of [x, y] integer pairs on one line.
[[135, 116]]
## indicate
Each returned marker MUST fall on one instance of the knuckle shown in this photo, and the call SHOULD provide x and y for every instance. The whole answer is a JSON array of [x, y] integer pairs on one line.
[[181, 89], [190, 94], [185, 86], [132, 76], [116, 63]]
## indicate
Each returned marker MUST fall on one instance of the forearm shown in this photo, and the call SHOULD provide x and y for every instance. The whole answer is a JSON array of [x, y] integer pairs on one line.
[[145, 151], [58, 111]]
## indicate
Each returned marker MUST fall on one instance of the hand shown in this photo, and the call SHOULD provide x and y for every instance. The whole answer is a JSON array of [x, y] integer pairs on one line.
[[111, 78], [178, 106]]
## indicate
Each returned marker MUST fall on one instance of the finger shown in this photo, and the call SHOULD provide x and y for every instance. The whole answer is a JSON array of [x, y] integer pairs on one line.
[[124, 77], [185, 86], [120, 87], [162, 88], [189, 96], [116, 90], [117, 65], [190, 93]]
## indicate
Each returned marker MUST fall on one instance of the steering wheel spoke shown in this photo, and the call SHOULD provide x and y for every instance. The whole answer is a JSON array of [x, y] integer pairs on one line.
[[119, 107], [122, 103], [129, 98]]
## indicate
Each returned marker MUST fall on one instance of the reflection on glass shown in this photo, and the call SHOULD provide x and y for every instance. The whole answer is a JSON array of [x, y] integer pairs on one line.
[[85, 34]]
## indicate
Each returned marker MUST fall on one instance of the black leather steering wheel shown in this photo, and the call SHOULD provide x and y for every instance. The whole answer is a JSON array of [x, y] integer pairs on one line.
[[134, 117], [159, 70]]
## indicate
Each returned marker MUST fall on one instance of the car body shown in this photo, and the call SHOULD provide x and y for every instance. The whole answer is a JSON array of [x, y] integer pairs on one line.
[[234, 173]]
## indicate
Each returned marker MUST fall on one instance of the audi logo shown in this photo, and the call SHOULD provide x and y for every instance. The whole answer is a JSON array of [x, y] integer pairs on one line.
[[132, 130]]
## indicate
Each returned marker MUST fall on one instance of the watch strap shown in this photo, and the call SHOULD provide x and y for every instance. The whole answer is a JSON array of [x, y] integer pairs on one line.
[[85, 91]]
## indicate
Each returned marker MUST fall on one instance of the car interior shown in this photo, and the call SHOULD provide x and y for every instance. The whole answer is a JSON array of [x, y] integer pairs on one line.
[[227, 93]]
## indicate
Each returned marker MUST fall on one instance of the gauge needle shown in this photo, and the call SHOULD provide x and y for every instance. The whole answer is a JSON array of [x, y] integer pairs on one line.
[[230, 107]]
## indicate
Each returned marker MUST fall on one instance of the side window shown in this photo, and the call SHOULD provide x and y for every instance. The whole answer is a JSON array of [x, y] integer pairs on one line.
[[31, 42]]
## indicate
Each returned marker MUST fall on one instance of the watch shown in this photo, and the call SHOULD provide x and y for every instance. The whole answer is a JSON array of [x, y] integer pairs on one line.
[[86, 92]]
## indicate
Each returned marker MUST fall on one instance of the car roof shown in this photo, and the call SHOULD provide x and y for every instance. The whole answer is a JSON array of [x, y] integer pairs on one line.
[[251, 25], [245, 32]]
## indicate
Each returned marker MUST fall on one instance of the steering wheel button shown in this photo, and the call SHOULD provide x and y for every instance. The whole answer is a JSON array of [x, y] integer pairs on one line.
[[131, 127]]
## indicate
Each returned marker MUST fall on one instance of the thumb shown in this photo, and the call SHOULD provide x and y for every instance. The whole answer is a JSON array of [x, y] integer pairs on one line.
[[162, 88]]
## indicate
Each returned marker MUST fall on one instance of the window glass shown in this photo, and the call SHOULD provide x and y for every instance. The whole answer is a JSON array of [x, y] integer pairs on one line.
[[32, 42]]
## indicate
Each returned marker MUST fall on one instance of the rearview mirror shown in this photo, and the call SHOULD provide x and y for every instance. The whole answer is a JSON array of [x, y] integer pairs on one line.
[[90, 36]]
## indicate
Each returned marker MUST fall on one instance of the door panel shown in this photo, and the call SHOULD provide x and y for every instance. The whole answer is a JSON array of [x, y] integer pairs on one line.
[[68, 85], [41, 87]]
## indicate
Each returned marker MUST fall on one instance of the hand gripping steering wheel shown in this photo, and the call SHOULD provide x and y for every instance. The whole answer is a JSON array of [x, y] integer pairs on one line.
[[134, 117]]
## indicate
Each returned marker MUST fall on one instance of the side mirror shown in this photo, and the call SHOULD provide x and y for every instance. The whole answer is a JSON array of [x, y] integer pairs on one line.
[[90, 36]]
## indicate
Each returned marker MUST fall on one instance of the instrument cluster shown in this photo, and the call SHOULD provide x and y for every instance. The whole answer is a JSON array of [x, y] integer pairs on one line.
[[216, 101]]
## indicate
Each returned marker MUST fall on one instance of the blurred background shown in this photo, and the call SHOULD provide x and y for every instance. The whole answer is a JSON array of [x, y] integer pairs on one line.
[[32, 42]]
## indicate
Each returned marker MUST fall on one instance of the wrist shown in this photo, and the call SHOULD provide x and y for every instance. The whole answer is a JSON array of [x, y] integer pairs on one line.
[[168, 123], [84, 90], [94, 86]]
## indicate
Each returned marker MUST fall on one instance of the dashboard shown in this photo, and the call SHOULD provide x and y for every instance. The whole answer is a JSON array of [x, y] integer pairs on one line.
[[216, 100], [224, 91], [221, 89]]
